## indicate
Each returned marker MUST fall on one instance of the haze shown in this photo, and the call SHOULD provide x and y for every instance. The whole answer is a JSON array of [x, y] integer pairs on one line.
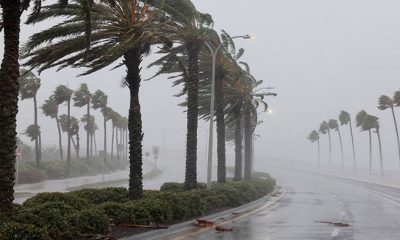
[[322, 56]]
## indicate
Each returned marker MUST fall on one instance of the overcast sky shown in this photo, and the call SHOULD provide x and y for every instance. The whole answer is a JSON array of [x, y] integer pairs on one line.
[[322, 56]]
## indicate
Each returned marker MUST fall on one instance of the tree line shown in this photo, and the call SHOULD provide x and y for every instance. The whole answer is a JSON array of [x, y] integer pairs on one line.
[[367, 123], [82, 97], [95, 34]]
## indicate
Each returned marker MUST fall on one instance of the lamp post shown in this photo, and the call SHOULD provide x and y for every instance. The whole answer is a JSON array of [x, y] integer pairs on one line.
[[214, 54]]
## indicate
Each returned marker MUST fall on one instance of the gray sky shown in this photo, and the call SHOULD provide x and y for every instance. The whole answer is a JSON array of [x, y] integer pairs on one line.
[[322, 56]]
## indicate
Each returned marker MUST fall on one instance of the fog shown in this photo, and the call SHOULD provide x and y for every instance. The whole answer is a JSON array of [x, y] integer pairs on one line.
[[321, 56]]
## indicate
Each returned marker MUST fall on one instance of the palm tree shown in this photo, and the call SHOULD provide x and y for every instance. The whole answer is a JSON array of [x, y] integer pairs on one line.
[[369, 122], [99, 101], [314, 137], [324, 129], [50, 109], [365, 126], [344, 118], [333, 124], [384, 103], [82, 97], [29, 86], [72, 130], [62, 94], [127, 29], [90, 127]]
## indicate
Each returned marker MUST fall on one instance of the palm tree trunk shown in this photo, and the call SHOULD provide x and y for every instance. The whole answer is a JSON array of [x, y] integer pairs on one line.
[[117, 143], [247, 144], [37, 155], [95, 144], [330, 146], [87, 130], [9, 73], [220, 117], [341, 147], [397, 131], [133, 58], [380, 152], [105, 140], [78, 146], [192, 86], [69, 139], [319, 153], [59, 138], [238, 144], [370, 152], [126, 144], [112, 143], [352, 143], [91, 145], [121, 140]]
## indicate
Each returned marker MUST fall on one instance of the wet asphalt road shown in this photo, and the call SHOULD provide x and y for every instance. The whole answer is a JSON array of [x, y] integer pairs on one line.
[[372, 211]]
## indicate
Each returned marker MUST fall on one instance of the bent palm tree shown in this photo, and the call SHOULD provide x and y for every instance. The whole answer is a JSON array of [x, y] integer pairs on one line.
[[324, 129], [70, 125], [62, 94], [99, 101], [384, 103], [344, 118], [333, 124], [314, 137], [124, 29], [29, 86], [50, 109], [361, 122], [82, 97]]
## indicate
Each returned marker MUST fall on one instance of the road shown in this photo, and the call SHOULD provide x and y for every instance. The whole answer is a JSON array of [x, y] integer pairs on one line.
[[372, 211]]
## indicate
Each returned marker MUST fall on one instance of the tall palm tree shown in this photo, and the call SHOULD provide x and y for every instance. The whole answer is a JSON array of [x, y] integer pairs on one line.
[[99, 101], [107, 114], [365, 126], [82, 97], [324, 129], [344, 118], [90, 127], [127, 29], [333, 124], [29, 86], [62, 94], [384, 103], [314, 137], [370, 122], [50, 109], [70, 125]]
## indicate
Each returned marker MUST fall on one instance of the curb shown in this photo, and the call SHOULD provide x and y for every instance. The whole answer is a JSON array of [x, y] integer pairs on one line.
[[176, 231]]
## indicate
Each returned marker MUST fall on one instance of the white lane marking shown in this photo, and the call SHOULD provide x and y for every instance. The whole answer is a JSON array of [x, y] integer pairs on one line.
[[335, 232], [386, 197]]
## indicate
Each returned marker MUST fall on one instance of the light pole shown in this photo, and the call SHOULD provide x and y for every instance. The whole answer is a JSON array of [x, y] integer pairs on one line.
[[214, 54]]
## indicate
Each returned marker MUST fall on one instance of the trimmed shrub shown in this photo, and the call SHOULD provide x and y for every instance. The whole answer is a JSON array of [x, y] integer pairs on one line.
[[54, 169], [92, 220], [71, 200], [172, 187], [51, 216], [123, 213], [18, 231], [160, 211], [31, 176], [3, 219], [97, 196]]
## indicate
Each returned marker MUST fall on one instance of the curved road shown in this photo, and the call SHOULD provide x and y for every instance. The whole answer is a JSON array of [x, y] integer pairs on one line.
[[372, 211]]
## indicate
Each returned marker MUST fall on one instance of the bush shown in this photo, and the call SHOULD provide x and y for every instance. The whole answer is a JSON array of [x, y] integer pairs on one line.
[[92, 220], [160, 211], [172, 187], [71, 200], [123, 213], [54, 169], [3, 219], [18, 231], [52, 216], [97, 196]]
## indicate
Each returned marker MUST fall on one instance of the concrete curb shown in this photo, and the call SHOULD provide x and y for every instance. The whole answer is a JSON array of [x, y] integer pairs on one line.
[[188, 228]]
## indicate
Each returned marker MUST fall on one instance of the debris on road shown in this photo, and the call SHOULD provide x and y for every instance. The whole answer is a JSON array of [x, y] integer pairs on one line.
[[336, 224], [223, 229], [152, 226], [204, 223]]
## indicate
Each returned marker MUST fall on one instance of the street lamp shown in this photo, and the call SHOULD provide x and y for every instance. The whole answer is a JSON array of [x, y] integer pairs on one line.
[[214, 54]]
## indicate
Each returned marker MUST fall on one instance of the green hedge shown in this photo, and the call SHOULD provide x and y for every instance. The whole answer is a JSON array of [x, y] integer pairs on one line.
[[66, 215]]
